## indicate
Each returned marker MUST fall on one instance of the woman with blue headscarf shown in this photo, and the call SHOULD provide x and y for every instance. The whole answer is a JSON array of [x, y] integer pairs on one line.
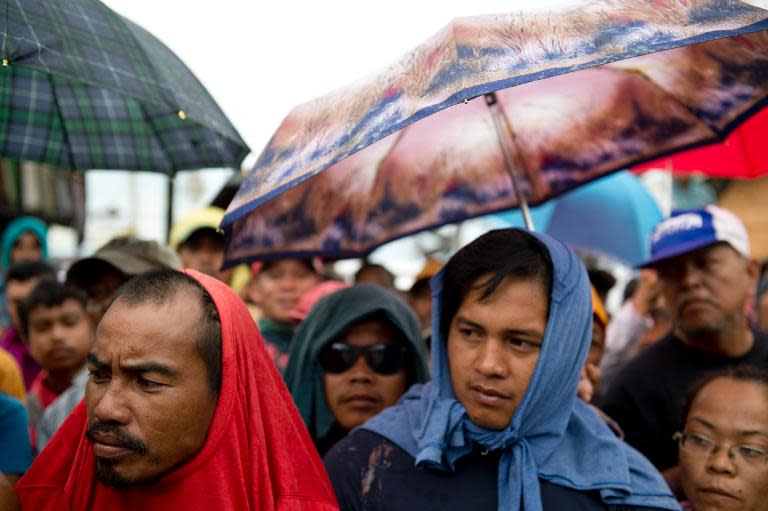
[[24, 239], [499, 426]]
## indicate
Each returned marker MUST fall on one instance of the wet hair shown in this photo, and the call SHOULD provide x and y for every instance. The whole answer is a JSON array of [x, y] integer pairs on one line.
[[371, 267], [47, 293], [27, 270], [162, 285], [494, 256], [742, 373], [195, 240], [303, 260], [420, 289]]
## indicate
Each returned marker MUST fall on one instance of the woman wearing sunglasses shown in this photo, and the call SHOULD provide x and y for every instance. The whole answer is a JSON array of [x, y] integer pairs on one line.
[[724, 442], [356, 353]]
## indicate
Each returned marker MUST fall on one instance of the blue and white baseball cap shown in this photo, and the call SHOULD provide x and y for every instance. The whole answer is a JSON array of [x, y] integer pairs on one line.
[[689, 229]]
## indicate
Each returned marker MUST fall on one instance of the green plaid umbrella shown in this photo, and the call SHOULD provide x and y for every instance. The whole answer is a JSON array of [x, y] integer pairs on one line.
[[81, 87]]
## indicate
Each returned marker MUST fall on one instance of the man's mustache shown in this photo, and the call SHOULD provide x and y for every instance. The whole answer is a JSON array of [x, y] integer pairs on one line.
[[129, 441]]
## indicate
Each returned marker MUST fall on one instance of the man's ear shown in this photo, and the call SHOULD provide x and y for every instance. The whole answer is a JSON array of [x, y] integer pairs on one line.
[[753, 273]]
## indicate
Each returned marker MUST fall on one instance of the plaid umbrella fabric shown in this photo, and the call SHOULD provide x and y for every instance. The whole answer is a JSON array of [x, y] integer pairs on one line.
[[82, 87]]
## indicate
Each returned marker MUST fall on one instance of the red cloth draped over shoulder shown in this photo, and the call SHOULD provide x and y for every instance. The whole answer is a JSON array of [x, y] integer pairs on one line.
[[257, 455]]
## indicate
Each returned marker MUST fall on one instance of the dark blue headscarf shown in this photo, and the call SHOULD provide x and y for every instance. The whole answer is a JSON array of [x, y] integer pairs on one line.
[[553, 435]]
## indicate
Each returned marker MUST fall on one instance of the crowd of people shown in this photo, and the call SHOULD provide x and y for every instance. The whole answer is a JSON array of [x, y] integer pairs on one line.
[[147, 376]]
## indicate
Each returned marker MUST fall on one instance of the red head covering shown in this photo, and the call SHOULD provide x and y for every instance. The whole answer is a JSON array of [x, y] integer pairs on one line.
[[257, 455]]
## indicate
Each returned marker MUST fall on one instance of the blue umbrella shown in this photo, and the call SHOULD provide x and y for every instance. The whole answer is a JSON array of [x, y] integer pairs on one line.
[[612, 216]]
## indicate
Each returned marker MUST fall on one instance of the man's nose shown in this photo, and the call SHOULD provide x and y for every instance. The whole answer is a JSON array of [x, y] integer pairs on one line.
[[489, 360], [690, 274], [360, 372], [111, 404]]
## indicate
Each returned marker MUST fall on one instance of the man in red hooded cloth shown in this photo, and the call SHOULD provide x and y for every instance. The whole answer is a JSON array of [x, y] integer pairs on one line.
[[184, 409]]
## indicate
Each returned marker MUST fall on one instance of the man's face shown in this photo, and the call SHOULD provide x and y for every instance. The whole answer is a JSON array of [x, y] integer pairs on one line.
[[281, 284], [359, 393], [493, 347], [204, 251], [26, 248], [717, 481], [101, 290], [60, 336], [16, 291], [148, 400], [706, 290]]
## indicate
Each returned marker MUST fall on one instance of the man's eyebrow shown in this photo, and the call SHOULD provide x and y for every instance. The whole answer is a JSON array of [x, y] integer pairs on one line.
[[94, 360], [533, 334], [525, 332], [148, 367], [465, 321]]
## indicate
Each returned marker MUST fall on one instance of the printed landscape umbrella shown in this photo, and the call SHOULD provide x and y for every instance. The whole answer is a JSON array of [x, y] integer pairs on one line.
[[611, 216], [81, 87], [742, 155], [563, 97]]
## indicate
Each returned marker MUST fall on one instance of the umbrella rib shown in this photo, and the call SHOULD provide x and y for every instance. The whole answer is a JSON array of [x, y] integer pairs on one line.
[[65, 133]]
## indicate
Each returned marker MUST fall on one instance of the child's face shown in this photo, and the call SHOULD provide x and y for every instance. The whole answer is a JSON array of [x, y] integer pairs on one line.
[[60, 336]]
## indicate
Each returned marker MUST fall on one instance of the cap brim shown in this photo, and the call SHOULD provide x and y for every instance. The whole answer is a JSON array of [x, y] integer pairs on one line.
[[682, 248]]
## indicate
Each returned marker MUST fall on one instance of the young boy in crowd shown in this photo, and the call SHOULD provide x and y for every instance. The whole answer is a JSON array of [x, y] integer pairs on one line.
[[60, 332], [20, 280]]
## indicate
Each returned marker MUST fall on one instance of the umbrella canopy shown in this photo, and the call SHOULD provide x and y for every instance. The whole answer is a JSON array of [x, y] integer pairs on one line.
[[612, 216], [579, 93], [81, 87], [740, 156]]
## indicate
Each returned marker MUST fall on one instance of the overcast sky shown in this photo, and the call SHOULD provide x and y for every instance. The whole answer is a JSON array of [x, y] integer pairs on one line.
[[260, 58]]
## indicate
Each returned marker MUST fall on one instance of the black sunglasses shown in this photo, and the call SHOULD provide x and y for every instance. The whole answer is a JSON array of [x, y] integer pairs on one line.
[[338, 357]]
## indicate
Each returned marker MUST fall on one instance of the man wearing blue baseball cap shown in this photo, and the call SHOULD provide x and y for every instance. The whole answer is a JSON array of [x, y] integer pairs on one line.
[[707, 278]]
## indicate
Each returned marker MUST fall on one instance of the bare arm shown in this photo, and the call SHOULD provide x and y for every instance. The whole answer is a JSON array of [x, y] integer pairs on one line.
[[8, 499]]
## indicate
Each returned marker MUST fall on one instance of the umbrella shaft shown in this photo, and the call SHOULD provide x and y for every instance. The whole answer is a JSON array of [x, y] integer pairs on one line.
[[503, 134]]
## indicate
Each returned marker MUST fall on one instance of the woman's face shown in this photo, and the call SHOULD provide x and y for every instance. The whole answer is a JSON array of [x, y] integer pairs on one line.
[[26, 248], [721, 464]]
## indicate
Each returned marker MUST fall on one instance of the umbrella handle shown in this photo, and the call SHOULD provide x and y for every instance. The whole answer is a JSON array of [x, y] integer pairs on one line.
[[502, 132]]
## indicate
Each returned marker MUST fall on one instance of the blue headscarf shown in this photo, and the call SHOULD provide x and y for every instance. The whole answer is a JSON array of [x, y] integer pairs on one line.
[[553, 435], [13, 232]]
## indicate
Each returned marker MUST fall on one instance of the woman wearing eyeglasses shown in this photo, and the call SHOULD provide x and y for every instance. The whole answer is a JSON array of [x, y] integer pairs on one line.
[[356, 353], [724, 443]]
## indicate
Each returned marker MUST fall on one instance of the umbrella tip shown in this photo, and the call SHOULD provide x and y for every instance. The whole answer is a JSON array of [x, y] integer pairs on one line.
[[182, 115]]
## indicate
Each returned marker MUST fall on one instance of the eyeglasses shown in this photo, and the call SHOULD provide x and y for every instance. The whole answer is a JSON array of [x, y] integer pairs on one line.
[[696, 444], [339, 357]]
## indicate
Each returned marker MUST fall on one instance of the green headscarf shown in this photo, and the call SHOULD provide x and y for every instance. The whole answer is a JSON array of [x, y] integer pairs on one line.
[[13, 232], [327, 320]]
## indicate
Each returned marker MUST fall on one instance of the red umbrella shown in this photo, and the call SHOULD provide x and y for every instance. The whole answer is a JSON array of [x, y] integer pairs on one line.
[[741, 155]]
